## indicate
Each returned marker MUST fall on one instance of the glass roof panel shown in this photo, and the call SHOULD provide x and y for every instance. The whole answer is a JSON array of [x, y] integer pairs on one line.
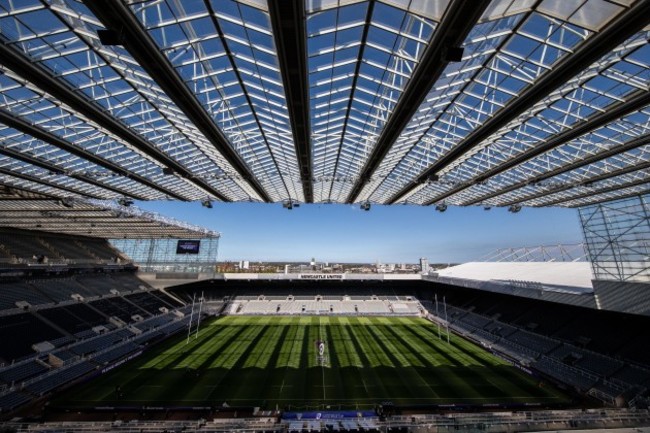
[[40, 111], [361, 58], [594, 90], [225, 53], [108, 77], [578, 104]]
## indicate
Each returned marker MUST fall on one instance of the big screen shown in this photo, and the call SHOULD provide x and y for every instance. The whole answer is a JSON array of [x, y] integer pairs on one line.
[[188, 247]]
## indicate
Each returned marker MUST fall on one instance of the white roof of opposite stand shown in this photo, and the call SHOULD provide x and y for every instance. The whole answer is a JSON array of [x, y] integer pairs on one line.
[[568, 274]]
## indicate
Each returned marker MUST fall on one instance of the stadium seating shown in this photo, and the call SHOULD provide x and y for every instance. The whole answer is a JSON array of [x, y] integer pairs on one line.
[[12, 292], [171, 302], [92, 285], [536, 319], [58, 378], [615, 334], [73, 318], [38, 379], [582, 381], [583, 369], [62, 289], [636, 349], [606, 391], [309, 305], [67, 324], [516, 351], [18, 332], [633, 375], [118, 307], [536, 343], [598, 364], [39, 291], [62, 341], [12, 400], [147, 301], [483, 335], [23, 246], [21, 371], [99, 249], [100, 342], [66, 356], [115, 353], [153, 322]]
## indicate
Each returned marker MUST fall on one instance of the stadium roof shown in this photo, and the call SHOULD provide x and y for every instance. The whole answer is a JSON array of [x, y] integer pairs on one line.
[[573, 276], [501, 102], [95, 218]]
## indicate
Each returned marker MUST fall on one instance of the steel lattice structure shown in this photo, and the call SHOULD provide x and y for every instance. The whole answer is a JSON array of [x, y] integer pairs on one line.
[[617, 235], [345, 101], [539, 253]]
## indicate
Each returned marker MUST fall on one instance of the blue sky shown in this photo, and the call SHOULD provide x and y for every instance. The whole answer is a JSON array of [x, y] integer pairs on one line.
[[391, 234]]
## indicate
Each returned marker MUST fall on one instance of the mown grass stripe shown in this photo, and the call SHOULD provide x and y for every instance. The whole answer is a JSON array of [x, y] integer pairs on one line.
[[269, 361]]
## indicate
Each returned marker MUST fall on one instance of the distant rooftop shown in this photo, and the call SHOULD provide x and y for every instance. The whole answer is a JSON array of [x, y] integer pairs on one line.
[[573, 276]]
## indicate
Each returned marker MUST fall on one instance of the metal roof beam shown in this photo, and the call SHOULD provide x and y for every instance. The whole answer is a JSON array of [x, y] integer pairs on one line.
[[39, 133], [54, 169], [353, 88], [615, 33], [456, 23], [602, 177], [19, 64], [621, 197], [633, 144], [115, 15], [288, 24], [31, 178], [638, 100]]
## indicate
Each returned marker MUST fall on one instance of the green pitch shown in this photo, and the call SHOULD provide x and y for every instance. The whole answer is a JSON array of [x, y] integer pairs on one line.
[[269, 361]]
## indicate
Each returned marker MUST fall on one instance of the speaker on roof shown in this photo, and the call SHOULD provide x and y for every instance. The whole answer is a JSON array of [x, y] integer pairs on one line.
[[110, 37], [453, 54]]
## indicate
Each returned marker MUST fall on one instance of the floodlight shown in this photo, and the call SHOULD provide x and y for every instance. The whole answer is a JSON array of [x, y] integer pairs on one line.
[[441, 207], [453, 54], [67, 202], [110, 37], [125, 201], [290, 204], [514, 208], [365, 206], [487, 207], [206, 203], [431, 179]]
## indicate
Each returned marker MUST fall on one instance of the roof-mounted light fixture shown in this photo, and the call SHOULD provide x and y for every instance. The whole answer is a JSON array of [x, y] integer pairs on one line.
[[110, 37], [67, 202], [290, 204], [125, 201]]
